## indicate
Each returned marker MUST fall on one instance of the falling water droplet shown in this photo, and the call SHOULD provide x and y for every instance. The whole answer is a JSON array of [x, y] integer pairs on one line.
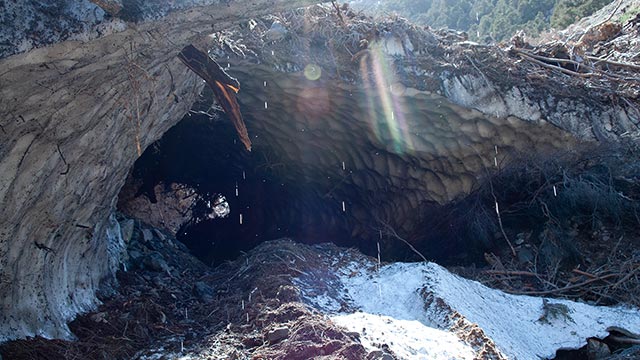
[[495, 161], [555, 191], [344, 167], [266, 106], [236, 189], [244, 177], [496, 149], [265, 84], [344, 207], [240, 219]]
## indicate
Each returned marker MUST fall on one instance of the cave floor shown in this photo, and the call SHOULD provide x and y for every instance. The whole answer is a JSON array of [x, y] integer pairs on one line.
[[169, 305], [259, 306]]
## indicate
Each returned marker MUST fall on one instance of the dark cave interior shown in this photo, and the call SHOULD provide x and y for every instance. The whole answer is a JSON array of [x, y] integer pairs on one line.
[[268, 201], [203, 152]]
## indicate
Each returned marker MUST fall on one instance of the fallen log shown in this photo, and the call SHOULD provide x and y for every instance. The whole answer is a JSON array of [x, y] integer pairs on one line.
[[224, 86]]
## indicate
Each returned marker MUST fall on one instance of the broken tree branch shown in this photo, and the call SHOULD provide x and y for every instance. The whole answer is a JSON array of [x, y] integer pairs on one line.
[[389, 230], [529, 57], [614, 63], [223, 86], [560, 290], [337, 7]]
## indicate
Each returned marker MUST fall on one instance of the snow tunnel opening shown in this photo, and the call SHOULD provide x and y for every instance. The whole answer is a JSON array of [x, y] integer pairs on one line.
[[333, 175], [200, 183]]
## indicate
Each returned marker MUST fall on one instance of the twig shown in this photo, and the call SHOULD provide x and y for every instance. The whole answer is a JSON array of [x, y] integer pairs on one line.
[[44, 247], [550, 59], [580, 272], [392, 232], [627, 277], [615, 63], [566, 288], [553, 67], [507, 272], [513, 250], [335, 5], [481, 73]]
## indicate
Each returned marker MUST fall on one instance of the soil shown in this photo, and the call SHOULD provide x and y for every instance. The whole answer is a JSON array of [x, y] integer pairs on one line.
[[170, 305]]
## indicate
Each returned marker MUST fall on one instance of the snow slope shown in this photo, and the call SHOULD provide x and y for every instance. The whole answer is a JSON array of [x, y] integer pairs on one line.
[[422, 311]]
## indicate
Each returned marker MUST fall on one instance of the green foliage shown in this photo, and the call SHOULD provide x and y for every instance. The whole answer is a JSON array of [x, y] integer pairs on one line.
[[491, 20], [566, 12], [630, 14]]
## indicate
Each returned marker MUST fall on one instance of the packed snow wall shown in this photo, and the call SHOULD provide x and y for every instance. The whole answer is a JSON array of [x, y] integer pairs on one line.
[[75, 115]]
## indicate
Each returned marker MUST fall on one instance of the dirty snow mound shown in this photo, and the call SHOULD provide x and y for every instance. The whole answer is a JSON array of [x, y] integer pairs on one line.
[[420, 310]]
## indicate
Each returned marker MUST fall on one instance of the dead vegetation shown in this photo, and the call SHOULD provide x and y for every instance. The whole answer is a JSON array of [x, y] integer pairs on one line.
[[603, 59], [170, 305], [573, 218]]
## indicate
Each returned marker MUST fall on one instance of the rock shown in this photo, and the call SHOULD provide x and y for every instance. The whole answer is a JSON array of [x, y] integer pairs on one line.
[[379, 355], [287, 293], [525, 255], [134, 255], [627, 354], [159, 234], [100, 317], [147, 235], [251, 342], [204, 291], [597, 350], [155, 262], [276, 32], [113, 7], [521, 238], [354, 335], [277, 335], [126, 228]]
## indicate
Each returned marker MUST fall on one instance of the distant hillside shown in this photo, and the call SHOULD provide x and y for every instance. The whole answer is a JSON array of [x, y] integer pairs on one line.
[[488, 20]]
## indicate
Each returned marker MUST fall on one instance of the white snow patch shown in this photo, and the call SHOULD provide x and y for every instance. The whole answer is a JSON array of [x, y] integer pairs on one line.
[[326, 303], [386, 307], [392, 292], [408, 339], [513, 322]]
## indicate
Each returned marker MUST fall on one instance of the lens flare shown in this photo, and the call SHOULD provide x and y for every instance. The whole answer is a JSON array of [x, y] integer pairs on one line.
[[385, 110], [312, 72]]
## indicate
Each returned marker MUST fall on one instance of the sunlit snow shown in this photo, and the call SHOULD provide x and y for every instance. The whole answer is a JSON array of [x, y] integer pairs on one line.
[[388, 306]]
